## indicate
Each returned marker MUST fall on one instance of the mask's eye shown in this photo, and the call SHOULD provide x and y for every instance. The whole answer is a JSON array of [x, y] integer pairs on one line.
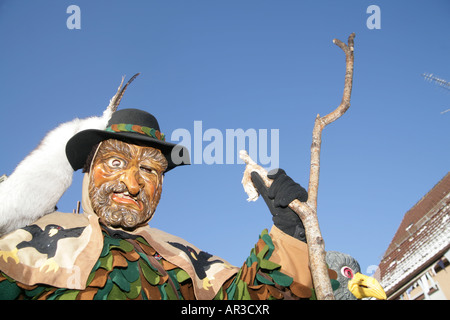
[[147, 169], [347, 272], [115, 163]]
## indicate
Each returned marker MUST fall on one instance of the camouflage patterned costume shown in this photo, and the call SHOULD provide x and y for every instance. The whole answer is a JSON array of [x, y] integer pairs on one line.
[[132, 269], [91, 261]]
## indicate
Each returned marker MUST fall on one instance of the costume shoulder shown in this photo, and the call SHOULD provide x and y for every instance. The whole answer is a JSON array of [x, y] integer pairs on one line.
[[59, 249], [208, 272]]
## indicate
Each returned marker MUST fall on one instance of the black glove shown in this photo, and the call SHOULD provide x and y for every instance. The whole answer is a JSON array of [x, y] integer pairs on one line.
[[282, 192]]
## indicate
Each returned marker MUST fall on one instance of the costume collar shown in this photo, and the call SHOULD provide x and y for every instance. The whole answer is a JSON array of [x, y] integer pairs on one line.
[[73, 244]]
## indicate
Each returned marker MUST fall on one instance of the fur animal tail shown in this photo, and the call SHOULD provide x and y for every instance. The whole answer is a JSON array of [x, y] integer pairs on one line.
[[39, 181]]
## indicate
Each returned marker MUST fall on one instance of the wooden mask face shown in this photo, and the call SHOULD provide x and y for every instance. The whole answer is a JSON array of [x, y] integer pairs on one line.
[[126, 182]]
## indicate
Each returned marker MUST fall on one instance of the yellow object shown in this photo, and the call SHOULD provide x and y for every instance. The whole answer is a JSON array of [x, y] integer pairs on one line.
[[51, 265], [10, 254], [53, 232], [363, 286], [206, 283]]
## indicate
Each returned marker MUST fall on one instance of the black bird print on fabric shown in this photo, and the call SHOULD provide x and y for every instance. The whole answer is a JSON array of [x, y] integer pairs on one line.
[[46, 241], [199, 260]]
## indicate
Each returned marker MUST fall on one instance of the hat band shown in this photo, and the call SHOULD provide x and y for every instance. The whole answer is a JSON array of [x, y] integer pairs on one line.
[[123, 127]]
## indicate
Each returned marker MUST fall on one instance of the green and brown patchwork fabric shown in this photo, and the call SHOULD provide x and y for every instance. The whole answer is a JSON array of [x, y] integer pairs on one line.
[[130, 268]]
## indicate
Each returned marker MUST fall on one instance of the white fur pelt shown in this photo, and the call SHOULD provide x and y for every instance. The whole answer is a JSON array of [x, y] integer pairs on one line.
[[39, 181]]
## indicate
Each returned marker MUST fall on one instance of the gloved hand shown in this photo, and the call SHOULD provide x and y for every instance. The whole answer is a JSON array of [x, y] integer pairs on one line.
[[282, 192]]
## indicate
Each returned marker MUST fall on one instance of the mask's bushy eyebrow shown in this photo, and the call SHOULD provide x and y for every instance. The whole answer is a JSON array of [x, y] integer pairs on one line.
[[126, 149], [156, 156]]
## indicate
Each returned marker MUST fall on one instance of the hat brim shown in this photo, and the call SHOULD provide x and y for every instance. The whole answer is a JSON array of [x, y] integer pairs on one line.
[[80, 145]]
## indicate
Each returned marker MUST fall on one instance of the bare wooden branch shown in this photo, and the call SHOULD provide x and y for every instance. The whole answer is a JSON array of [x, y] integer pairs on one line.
[[316, 246], [321, 122], [308, 211]]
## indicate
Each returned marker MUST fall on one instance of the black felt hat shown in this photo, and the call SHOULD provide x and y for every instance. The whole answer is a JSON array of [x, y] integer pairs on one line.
[[131, 126]]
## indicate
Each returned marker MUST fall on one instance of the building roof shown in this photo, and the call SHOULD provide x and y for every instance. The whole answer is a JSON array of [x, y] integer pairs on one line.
[[423, 234]]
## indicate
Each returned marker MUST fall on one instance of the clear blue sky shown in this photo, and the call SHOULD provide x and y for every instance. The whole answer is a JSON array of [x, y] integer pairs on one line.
[[245, 64]]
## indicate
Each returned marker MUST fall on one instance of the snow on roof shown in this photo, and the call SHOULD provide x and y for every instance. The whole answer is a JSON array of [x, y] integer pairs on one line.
[[423, 234]]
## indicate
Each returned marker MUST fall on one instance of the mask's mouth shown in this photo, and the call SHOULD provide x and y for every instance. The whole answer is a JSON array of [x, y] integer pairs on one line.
[[126, 198]]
